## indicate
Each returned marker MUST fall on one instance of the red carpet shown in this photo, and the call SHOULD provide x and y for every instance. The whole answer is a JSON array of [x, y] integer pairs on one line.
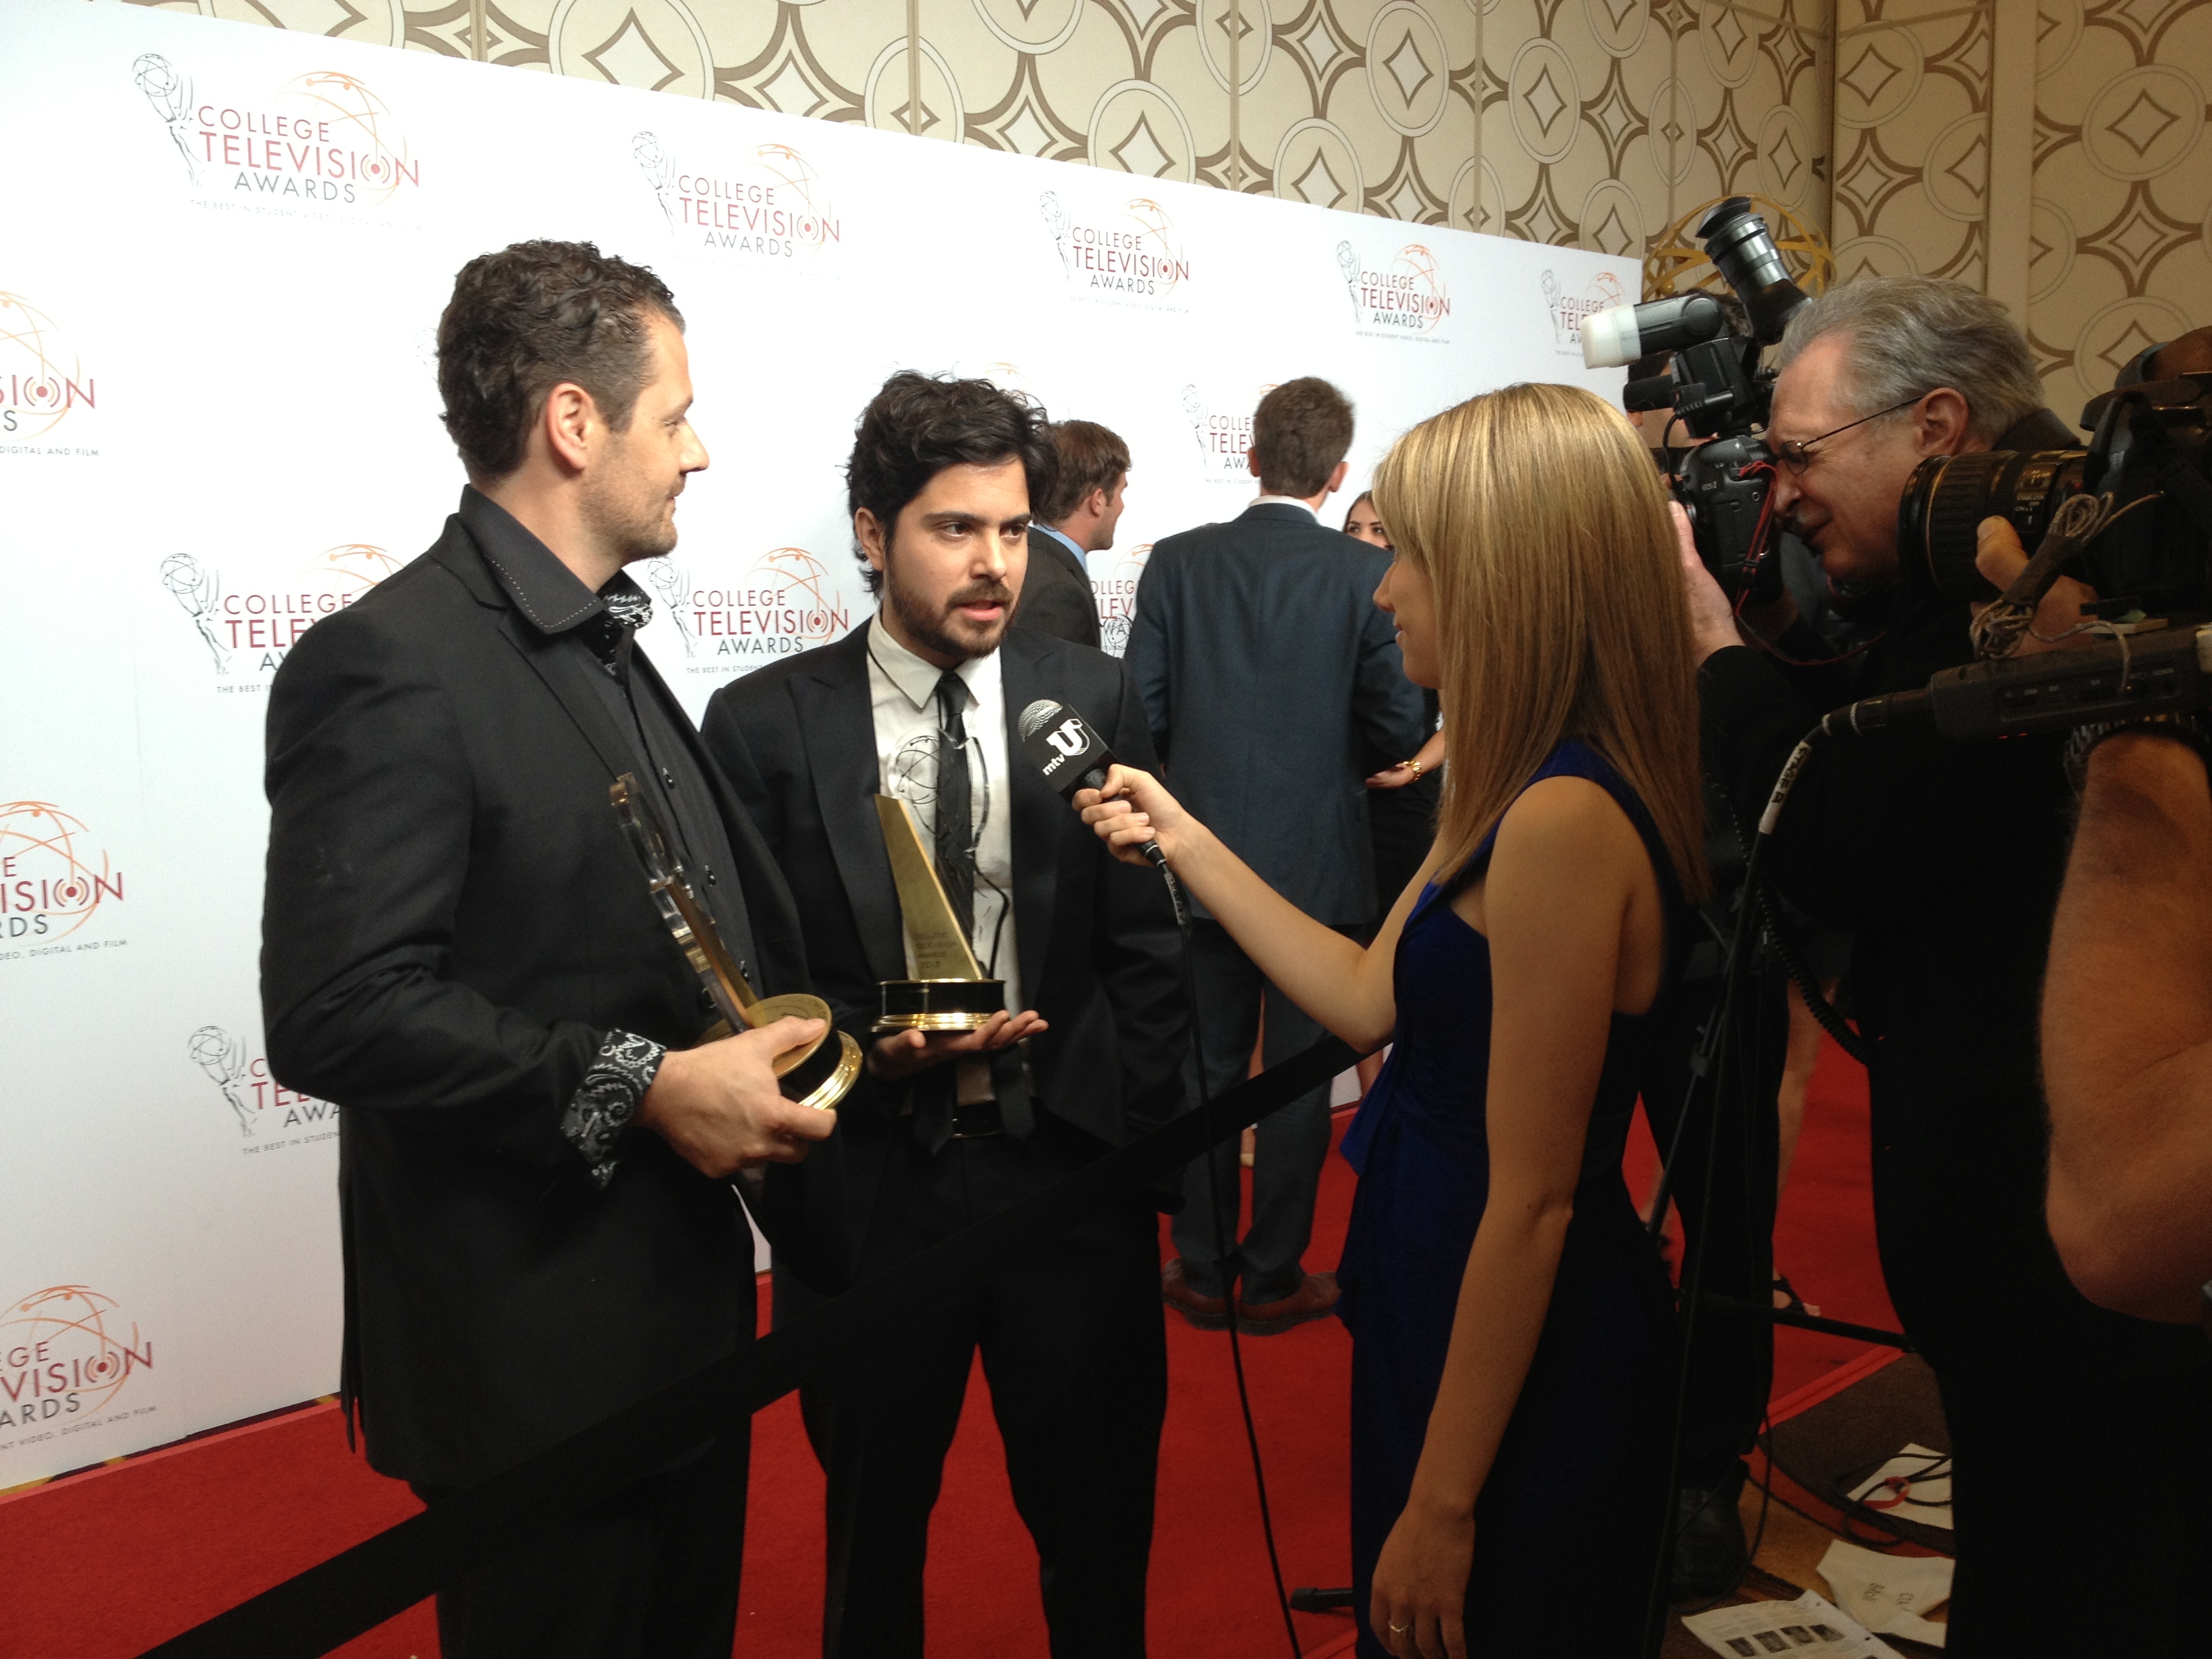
[[103, 1562]]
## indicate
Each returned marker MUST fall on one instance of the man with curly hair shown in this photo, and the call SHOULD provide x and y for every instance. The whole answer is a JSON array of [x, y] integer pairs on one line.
[[946, 1130]]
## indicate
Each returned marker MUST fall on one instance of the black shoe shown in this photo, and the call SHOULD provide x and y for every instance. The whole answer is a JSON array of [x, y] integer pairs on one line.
[[1710, 1555]]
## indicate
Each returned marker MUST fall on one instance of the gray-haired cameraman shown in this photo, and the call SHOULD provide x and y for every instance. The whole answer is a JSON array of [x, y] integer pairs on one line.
[[1945, 859]]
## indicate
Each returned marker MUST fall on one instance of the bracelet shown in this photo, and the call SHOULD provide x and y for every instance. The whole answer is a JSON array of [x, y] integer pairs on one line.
[[1412, 766], [2180, 726]]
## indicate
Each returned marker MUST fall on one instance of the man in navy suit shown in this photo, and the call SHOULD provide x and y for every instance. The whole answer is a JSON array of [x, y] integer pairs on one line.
[[1270, 682]]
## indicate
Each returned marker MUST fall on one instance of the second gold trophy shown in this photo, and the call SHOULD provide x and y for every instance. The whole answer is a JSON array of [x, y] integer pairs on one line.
[[950, 992]]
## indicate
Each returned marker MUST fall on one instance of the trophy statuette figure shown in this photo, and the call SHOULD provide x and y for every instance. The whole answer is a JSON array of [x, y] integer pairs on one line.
[[950, 993], [818, 1075]]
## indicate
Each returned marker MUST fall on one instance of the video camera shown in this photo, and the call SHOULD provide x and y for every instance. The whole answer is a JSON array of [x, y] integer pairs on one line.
[[1715, 387]]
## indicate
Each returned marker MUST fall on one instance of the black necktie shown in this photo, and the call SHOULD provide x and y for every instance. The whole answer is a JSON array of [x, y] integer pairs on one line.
[[956, 849]]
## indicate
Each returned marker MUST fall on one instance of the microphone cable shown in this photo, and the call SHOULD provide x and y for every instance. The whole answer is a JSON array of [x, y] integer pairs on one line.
[[1221, 1250]]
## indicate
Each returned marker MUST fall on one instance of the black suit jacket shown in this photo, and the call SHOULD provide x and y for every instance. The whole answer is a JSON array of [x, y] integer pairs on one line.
[[1056, 596], [452, 924], [1269, 679], [1096, 937]]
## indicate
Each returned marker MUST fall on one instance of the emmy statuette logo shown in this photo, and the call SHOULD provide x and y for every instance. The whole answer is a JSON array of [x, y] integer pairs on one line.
[[256, 1099]]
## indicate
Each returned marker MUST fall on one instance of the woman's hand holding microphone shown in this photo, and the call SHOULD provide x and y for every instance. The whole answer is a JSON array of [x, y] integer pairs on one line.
[[1135, 808]]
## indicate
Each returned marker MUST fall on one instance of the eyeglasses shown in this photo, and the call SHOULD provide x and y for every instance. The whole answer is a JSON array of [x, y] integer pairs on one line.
[[1797, 454]]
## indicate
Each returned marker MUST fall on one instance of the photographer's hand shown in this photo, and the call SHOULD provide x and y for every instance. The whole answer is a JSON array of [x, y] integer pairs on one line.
[[2001, 558], [1712, 619]]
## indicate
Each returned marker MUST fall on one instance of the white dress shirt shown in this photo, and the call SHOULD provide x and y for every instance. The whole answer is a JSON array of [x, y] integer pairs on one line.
[[902, 696], [1264, 499]]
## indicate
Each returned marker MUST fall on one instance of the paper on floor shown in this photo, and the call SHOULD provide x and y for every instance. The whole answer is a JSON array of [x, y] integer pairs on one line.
[[1889, 1593], [1808, 1626], [1898, 1489]]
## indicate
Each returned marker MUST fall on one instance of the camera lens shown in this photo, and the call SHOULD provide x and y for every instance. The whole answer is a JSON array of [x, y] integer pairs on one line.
[[1742, 249], [1947, 497]]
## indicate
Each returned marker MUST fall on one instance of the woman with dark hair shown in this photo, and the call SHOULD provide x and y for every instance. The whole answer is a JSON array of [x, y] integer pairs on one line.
[[1511, 1325]]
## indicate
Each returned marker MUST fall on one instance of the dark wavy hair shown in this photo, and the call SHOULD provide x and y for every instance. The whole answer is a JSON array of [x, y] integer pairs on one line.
[[920, 424], [1301, 430], [524, 320]]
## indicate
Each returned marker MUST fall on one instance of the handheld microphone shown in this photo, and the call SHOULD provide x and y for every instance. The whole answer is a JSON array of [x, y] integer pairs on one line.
[[1071, 756]]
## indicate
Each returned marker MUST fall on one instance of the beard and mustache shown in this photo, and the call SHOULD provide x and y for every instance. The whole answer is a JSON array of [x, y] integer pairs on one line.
[[942, 629]]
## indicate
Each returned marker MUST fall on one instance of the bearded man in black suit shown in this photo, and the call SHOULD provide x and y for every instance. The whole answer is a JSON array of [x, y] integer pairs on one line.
[[923, 703], [458, 949]]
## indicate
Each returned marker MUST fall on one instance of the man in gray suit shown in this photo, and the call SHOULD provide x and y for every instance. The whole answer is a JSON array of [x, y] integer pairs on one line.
[[1075, 517], [1271, 682]]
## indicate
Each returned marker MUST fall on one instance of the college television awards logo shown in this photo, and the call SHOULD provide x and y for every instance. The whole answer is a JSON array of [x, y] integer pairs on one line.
[[1116, 597], [324, 138], [55, 879], [1405, 299], [785, 601], [1131, 251], [247, 628], [43, 381], [1567, 311], [65, 1358], [254, 1096], [1221, 434], [771, 206]]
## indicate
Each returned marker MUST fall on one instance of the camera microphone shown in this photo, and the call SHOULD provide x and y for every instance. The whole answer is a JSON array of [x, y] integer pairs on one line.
[[1070, 756], [2159, 671]]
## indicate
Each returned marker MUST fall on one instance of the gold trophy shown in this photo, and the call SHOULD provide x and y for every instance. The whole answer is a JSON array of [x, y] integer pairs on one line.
[[951, 994], [818, 1075]]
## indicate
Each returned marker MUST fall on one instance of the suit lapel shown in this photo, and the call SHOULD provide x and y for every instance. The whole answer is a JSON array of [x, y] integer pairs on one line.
[[1039, 819], [837, 733]]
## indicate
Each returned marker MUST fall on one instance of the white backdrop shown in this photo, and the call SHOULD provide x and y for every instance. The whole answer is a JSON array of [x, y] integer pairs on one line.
[[224, 253]]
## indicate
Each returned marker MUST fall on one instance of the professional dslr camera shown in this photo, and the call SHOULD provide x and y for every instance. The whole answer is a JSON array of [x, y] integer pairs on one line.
[[2148, 452], [1716, 388]]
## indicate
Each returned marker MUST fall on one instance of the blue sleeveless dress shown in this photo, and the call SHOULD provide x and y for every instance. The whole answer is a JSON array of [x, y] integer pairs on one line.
[[1567, 1524]]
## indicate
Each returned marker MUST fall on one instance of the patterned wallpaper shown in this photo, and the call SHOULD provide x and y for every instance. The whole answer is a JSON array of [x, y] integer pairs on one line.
[[1600, 121], [2049, 151]]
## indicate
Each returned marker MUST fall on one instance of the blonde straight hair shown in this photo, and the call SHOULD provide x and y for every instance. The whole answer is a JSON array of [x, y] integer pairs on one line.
[[1538, 517]]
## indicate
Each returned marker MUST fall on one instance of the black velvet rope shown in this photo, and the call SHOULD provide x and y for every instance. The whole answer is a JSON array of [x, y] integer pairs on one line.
[[358, 1588]]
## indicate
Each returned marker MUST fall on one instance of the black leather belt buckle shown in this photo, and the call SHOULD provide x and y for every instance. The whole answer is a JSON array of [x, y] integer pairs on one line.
[[974, 1122]]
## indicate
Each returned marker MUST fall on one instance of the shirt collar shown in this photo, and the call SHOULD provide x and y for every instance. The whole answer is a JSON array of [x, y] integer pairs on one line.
[[1068, 542], [547, 592], [917, 677], [1287, 500]]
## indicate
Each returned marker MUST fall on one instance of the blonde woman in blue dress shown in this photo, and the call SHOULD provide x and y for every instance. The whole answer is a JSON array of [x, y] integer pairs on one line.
[[1512, 1328]]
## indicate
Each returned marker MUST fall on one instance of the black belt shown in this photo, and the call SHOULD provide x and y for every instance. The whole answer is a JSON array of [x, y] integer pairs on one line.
[[974, 1122]]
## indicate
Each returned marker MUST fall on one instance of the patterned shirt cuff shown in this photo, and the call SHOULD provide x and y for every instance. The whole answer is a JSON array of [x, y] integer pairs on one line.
[[607, 1100]]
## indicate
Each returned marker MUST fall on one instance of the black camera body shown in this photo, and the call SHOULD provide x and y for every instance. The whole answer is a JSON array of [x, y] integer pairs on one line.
[[2149, 451], [1715, 387]]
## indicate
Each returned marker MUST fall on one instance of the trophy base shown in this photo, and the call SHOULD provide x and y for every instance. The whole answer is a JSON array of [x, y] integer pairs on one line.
[[940, 1004], [822, 1075]]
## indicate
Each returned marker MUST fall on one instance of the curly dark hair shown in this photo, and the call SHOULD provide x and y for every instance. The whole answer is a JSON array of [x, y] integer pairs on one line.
[[920, 424], [1299, 433], [529, 317]]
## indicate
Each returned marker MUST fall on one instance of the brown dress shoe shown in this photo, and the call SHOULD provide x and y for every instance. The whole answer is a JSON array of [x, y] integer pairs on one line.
[[1208, 1313], [1314, 1299]]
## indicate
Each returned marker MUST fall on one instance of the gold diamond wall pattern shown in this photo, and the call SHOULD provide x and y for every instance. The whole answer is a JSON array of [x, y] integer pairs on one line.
[[2051, 151]]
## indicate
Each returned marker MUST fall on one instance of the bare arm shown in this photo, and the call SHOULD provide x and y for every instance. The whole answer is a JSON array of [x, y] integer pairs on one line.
[[2127, 1035], [1426, 759], [1344, 986], [1570, 909]]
